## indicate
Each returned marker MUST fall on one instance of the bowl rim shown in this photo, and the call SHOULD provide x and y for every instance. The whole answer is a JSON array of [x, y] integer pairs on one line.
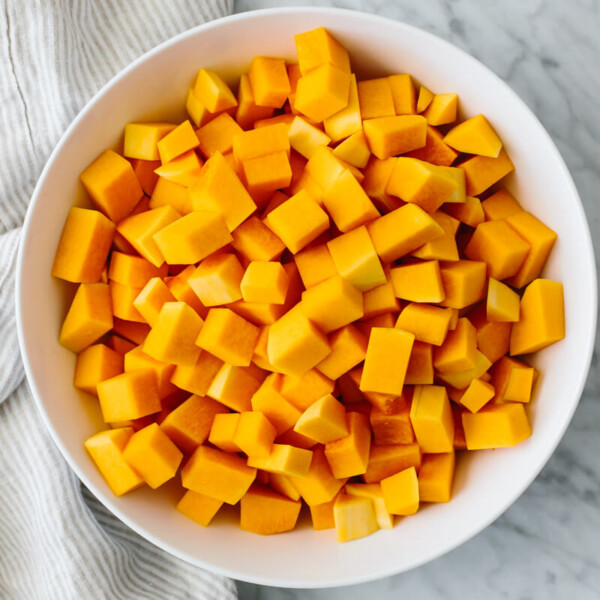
[[111, 503]]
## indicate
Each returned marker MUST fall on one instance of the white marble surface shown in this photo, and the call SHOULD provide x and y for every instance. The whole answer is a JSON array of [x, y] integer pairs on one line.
[[547, 545]]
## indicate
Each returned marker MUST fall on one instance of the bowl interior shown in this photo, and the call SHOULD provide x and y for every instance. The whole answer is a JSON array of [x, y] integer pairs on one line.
[[487, 482]]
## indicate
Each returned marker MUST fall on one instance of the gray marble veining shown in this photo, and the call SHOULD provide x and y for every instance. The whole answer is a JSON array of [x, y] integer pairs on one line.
[[547, 545]]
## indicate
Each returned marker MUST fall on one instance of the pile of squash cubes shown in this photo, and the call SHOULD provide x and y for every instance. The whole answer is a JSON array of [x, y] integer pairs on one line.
[[314, 292]]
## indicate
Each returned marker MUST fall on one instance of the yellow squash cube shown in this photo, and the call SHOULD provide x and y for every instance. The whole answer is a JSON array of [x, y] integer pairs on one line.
[[234, 386], [322, 92], [298, 221], [347, 121], [500, 205], [265, 282], [153, 455], [83, 246], [212, 92], [315, 265], [152, 298], [112, 185], [431, 418], [306, 138], [442, 109], [198, 507], [459, 350], [464, 282], [265, 512], [106, 450], [475, 136], [95, 364], [254, 434], [223, 430], [496, 426], [401, 492], [173, 337], [284, 460], [348, 348], [332, 304], [542, 321], [253, 240], [89, 317], [386, 360], [403, 93], [418, 282], [217, 474], [141, 139], [392, 135], [502, 303], [375, 98], [323, 421], [402, 231], [354, 150], [318, 47], [372, 491], [269, 81], [217, 280], [269, 400], [427, 323], [477, 395], [481, 172], [436, 477], [136, 359], [354, 517]]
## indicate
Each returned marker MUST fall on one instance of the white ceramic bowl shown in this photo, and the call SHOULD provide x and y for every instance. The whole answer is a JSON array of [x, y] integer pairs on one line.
[[487, 483]]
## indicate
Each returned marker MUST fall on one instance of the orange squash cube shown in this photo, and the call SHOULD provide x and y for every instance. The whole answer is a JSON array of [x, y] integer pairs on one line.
[[469, 212], [197, 378], [198, 507], [385, 461], [435, 150], [427, 323], [112, 185], [306, 138], [298, 221], [403, 94], [260, 142], [220, 190], [265, 282], [332, 304], [540, 239], [379, 301], [89, 317], [436, 477], [136, 359], [284, 460], [139, 230], [152, 298], [318, 47], [392, 135], [133, 270], [217, 279], [420, 365], [222, 432], [443, 248], [172, 339], [421, 183], [322, 92], [134, 332], [265, 512], [402, 231], [493, 337], [253, 240], [376, 99], [254, 434], [268, 173], [192, 238], [348, 204], [189, 424], [144, 171], [212, 92], [373, 492], [393, 426], [177, 141], [477, 395], [542, 321], [182, 170], [234, 387], [304, 391], [323, 421], [424, 99], [347, 121], [377, 175], [512, 379], [140, 139], [348, 456], [217, 474], [322, 515], [499, 246], [294, 344], [348, 348], [474, 136], [401, 492], [442, 109], [122, 297], [500, 205], [418, 282], [83, 246], [153, 455], [464, 282], [356, 260], [269, 81], [95, 364], [431, 418], [248, 112], [315, 265], [496, 426], [481, 172], [180, 288], [354, 150], [169, 193], [354, 517], [459, 350], [268, 399], [502, 303], [128, 396], [106, 450], [318, 485], [387, 357], [217, 135]]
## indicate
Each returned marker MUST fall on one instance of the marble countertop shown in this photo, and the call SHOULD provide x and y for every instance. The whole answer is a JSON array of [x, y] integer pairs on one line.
[[547, 545]]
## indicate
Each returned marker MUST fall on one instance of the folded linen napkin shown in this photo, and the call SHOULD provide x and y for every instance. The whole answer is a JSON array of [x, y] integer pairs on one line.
[[56, 540]]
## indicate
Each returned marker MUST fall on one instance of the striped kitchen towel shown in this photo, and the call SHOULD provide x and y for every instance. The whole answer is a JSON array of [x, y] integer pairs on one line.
[[56, 540]]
